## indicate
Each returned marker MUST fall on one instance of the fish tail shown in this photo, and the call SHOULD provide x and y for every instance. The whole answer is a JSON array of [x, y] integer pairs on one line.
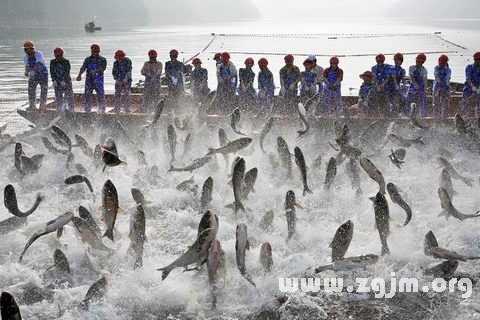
[[109, 233], [306, 190], [165, 272], [385, 249], [239, 206], [320, 269], [210, 151]]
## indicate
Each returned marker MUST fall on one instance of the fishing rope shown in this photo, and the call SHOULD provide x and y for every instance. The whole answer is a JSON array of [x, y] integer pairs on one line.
[[320, 35], [337, 55]]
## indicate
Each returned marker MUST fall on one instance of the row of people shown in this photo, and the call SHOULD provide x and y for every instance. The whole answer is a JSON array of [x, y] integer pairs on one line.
[[383, 92]]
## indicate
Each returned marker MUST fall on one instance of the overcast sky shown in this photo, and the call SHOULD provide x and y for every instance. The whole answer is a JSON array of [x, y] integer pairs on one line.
[[325, 9]]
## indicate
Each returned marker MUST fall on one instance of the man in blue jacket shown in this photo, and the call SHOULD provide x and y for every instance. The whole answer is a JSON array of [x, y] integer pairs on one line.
[[122, 74], [37, 74], [94, 66]]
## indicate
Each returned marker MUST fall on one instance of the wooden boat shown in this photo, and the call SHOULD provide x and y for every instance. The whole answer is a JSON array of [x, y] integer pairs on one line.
[[136, 118]]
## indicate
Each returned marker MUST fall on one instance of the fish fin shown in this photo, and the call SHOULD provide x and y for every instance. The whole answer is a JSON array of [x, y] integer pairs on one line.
[[253, 190], [108, 234], [442, 213], [230, 206], [372, 199], [210, 151], [320, 269], [59, 232], [230, 183], [330, 245], [124, 163]]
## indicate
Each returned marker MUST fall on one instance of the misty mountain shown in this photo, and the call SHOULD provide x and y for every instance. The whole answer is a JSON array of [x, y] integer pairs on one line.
[[59, 13], [434, 9]]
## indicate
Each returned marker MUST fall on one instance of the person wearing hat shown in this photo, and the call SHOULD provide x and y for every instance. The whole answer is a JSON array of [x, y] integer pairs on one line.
[[332, 94], [417, 89], [398, 76], [247, 95], [218, 58], [289, 79], [366, 94], [227, 83], [441, 87], [122, 74], [94, 66], [471, 88], [199, 80], [266, 86], [384, 84], [174, 77], [319, 71], [37, 74], [152, 71], [62, 82], [308, 81]]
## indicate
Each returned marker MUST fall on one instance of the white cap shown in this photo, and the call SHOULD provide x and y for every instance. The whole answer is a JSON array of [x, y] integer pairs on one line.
[[312, 57]]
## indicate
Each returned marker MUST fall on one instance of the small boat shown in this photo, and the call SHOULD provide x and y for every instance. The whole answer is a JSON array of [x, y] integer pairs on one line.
[[90, 27]]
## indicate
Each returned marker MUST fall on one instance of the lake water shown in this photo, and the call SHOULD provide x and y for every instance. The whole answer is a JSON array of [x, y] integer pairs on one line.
[[173, 216]]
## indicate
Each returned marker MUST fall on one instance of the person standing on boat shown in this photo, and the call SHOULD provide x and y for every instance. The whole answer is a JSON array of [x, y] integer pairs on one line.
[[94, 66], [319, 71], [62, 82], [37, 73], [266, 86], [399, 90], [441, 87], [308, 82], [218, 58], [383, 85], [227, 83], [289, 79], [471, 88], [152, 71], [366, 94], [332, 94], [247, 95], [174, 76], [122, 74], [418, 87], [199, 80]]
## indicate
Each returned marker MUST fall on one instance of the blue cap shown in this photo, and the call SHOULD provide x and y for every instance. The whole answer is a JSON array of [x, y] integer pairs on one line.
[[312, 57]]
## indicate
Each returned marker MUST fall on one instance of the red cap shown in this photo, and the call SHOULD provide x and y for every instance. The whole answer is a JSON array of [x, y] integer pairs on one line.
[[307, 62], [152, 54], [58, 52], [334, 60], [366, 74], [119, 55], [476, 56], [225, 56], [380, 58], [196, 61], [217, 56], [173, 53], [421, 58], [249, 62], [95, 47], [443, 59], [398, 56], [263, 62], [288, 58]]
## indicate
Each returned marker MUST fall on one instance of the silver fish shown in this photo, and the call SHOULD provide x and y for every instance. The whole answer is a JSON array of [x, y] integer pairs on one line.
[[110, 207], [231, 147], [341, 240], [397, 198], [350, 263], [382, 220], [373, 173], [51, 226], [285, 156], [198, 252], [266, 259], [265, 130], [137, 236], [197, 163], [10, 201], [241, 245], [331, 173], [300, 161], [79, 179]]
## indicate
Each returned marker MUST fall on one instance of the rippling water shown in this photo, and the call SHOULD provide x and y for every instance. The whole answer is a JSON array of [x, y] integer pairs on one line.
[[173, 216]]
